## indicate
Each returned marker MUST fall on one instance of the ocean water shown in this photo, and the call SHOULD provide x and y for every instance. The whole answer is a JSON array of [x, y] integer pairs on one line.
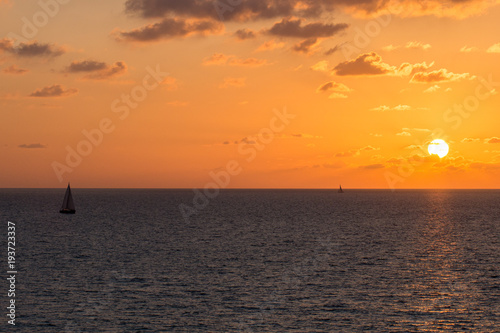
[[255, 261]]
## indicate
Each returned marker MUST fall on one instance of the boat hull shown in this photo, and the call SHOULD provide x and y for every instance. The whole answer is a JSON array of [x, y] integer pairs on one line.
[[67, 211]]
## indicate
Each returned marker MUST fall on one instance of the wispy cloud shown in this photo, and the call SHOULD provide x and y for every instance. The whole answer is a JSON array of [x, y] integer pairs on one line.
[[55, 90], [33, 146], [400, 107], [440, 75], [409, 45], [233, 82], [494, 48], [492, 140], [270, 45], [13, 69], [220, 59], [468, 49]]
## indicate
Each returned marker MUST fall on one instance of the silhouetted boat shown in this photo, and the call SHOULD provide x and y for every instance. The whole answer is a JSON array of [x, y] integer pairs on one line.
[[340, 189], [68, 206]]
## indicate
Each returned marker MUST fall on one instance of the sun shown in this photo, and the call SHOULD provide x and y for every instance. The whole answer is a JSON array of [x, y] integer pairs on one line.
[[438, 147]]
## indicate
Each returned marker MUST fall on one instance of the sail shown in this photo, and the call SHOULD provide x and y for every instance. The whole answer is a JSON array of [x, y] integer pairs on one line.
[[68, 200]]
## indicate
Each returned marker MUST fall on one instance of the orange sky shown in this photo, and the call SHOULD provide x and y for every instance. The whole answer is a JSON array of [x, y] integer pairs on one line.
[[293, 94]]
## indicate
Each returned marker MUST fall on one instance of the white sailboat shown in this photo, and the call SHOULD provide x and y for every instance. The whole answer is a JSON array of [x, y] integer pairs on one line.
[[68, 206]]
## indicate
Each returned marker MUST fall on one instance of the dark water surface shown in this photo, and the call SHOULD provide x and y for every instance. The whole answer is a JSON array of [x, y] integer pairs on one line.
[[255, 261]]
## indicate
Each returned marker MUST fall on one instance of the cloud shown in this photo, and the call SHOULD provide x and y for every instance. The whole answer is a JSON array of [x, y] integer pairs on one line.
[[243, 34], [168, 28], [403, 134], [13, 69], [220, 59], [306, 46], [267, 9], [467, 49], [233, 82], [98, 70], [31, 49], [485, 166], [440, 75], [409, 45], [494, 48], [426, 130], [365, 64], [467, 140], [492, 140], [372, 166], [55, 90], [86, 66], [368, 148], [270, 45], [400, 107], [333, 86], [432, 89], [336, 165], [333, 49], [33, 146], [289, 27], [356, 152], [321, 66], [336, 89], [238, 11], [372, 64], [216, 59]]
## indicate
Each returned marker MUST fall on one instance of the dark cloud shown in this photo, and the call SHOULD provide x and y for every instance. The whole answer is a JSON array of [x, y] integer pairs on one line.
[[86, 66], [243, 34], [33, 146], [219, 10], [55, 90], [333, 50], [305, 46], [365, 64], [31, 49], [294, 28], [333, 86], [169, 28], [245, 10], [35, 49], [98, 70], [372, 166]]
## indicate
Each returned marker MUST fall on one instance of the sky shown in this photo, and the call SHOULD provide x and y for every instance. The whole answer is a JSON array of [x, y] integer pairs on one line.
[[249, 93]]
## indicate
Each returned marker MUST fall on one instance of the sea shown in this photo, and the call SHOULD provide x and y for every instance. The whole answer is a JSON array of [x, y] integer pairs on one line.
[[152, 260]]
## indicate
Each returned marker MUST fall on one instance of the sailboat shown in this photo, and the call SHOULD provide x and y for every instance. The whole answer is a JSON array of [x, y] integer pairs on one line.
[[340, 189], [68, 206]]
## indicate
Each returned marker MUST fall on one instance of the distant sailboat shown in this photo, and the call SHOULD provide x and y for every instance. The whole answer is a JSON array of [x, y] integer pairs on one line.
[[340, 189], [68, 206]]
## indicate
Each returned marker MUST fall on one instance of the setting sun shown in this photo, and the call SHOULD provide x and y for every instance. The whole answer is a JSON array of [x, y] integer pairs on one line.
[[438, 147]]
